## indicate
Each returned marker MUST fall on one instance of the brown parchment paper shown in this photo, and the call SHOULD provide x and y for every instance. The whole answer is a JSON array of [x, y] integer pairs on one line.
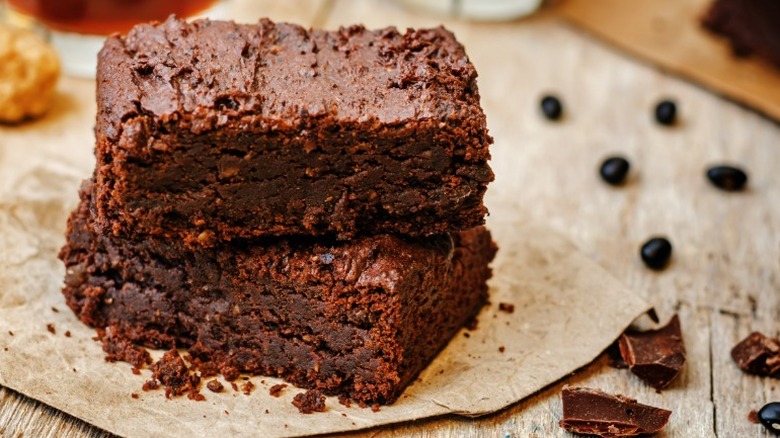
[[567, 311], [669, 33]]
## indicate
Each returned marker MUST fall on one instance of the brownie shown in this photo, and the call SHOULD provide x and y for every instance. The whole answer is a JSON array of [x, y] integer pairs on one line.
[[359, 318], [212, 130], [752, 26]]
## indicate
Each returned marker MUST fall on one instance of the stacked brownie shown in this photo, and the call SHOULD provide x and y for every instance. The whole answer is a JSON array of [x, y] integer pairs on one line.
[[302, 204]]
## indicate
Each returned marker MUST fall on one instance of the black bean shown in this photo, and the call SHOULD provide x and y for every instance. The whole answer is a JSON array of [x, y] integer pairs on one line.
[[551, 107], [727, 178], [666, 112], [656, 252], [769, 416], [614, 170]]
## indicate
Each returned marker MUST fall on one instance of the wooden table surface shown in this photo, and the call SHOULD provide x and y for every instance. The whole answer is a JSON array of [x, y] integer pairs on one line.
[[724, 279]]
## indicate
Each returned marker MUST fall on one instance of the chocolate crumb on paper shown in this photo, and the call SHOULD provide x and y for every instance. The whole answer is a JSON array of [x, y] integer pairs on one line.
[[247, 388], [593, 412], [344, 400], [309, 402], [276, 390], [506, 307], [175, 376], [118, 348], [51, 329], [758, 354], [655, 356], [215, 386]]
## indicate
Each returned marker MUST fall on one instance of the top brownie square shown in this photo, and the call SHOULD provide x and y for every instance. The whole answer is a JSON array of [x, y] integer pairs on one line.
[[214, 130]]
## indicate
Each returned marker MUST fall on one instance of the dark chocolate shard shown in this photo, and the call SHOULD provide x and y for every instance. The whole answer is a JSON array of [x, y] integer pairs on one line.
[[615, 359], [655, 356], [758, 354], [593, 412]]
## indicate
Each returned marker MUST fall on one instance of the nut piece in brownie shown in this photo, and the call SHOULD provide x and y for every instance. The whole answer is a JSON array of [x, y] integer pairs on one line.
[[359, 318], [212, 130]]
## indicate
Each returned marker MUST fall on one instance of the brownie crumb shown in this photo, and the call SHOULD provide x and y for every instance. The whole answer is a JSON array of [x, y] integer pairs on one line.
[[135, 370], [267, 411], [226, 412], [309, 401], [74, 370], [344, 400], [501, 349], [276, 390], [471, 324], [150, 385], [230, 373], [67, 333], [51, 329], [467, 334], [10, 333], [375, 407], [5, 348], [55, 310], [753, 417], [247, 388], [234, 386], [172, 372], [119, 348], [215, 386], [506, 307], [196, 395], [134, 395]]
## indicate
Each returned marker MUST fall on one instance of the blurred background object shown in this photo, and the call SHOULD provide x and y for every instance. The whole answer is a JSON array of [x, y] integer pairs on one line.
[[29, 70], [77, 28], [482, 10]]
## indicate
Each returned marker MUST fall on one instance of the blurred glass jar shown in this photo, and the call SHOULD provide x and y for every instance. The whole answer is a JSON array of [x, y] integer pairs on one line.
[[482, 10], [77, 28]]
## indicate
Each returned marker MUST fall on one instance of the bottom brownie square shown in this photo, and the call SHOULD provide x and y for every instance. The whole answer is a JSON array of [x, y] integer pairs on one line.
[[359, 318]]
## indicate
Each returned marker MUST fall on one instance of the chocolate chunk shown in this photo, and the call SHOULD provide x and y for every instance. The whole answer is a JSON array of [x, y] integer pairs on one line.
[[593, 412], [758, 354], [655, 356]]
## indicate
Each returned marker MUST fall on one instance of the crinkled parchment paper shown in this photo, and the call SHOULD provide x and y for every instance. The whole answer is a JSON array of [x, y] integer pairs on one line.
[[567, 311], [669, 34]]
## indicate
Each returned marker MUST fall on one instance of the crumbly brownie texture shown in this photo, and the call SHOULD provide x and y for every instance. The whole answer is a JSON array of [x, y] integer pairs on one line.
[[752, 26], [360, 318], [212, 130]]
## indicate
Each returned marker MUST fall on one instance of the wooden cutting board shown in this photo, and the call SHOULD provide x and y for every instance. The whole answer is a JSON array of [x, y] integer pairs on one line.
[[668, 34]]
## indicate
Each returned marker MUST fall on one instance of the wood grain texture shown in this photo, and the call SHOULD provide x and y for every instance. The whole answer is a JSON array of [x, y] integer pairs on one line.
[[724, 279]]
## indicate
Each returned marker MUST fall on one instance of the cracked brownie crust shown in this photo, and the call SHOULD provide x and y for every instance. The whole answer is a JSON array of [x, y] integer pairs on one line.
[[360, 318], [208, 131]]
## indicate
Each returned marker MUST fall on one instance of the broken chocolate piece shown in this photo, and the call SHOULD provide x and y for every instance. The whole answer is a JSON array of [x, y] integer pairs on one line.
[[655, 356], [758, 354], [593, 412]]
